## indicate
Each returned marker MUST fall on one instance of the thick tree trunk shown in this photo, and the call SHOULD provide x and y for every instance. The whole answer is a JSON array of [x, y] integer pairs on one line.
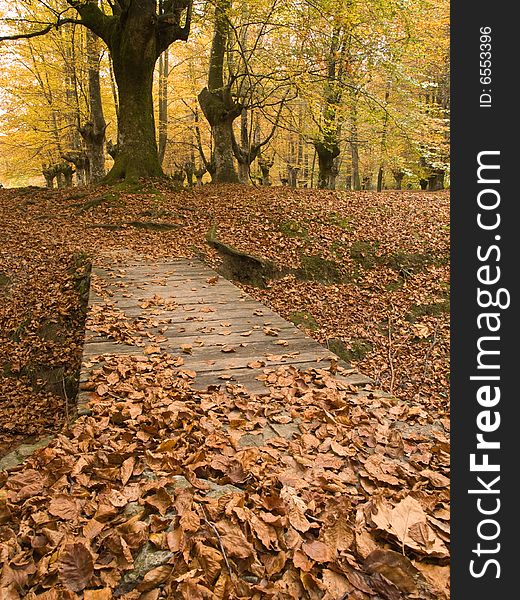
[[220, 115], [398, 176], [137, 154], [327, 153], [134, 50], [224, 158], [216, 102]]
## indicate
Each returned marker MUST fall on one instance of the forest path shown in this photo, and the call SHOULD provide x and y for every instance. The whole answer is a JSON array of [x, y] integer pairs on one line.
[[216, 332]]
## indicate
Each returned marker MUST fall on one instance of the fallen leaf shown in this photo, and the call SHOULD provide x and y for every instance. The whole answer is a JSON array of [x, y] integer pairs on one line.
[[318, 551], [75, 566]]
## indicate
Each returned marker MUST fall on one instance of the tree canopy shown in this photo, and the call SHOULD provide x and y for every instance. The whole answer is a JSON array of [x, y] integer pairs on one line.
[[328, 93]]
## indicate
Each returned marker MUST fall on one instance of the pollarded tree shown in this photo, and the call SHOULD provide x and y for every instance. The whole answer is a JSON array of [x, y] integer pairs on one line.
[[216, 100], [136, 33]]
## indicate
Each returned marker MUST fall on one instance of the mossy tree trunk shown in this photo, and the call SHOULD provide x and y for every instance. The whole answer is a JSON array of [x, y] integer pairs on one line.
[[163, 104], [327, 153], [134, 53], [398, 176], [328, 142], [216, 100], [137, 33], [93, 132]]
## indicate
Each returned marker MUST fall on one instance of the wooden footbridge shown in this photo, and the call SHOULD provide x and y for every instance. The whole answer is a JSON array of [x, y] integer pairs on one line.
[[220, 334]]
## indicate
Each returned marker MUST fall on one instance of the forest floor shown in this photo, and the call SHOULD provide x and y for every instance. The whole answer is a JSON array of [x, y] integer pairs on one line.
[[365, 274]]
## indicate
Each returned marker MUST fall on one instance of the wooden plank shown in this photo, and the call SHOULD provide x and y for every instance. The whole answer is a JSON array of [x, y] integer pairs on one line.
[[201, 317], [221, 336], [224, 313], [214, 356]]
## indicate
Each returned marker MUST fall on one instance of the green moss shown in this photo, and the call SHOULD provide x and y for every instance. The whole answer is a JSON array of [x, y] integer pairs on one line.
[[365, 254], [404, 263], [305, 319], [395, 285], [431, 310], [292, 228], [336, 219], [4, 281], [410, 263], [136, 186], [355, 350], [317, 268]]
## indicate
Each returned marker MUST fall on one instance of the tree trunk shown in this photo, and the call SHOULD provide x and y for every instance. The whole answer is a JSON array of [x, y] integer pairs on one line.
[[265, 168], [327, 153], [243, 172], [137, 156], [243, 154], [96, 139], [436, 181], [82, 163], [398, 176], [384, 135], [113, 87], [356, 178], [225, 171], [380, 175], [136, 33], [163, 104], [93, 132], [216, 102], [292, 179], [49, 174]]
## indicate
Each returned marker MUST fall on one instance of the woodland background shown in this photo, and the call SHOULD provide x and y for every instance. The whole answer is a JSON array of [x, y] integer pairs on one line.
[[364, 83], [263, 103]]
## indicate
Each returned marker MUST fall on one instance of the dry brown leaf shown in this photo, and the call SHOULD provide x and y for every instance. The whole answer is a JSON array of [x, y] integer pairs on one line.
[[438, 480], [302, 561], [75, 566], [155, 577], [395, 567], [92, 528], [437, 576], [256, 364], [339, 536], [405, 519], [152, 350], [233, 540], [127, 469], [190, 521], [64, 507], [104, 594], [318, 551], [335, 584]]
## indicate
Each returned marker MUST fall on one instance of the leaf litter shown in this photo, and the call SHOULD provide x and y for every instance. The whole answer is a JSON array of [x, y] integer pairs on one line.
[[154, 495]]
